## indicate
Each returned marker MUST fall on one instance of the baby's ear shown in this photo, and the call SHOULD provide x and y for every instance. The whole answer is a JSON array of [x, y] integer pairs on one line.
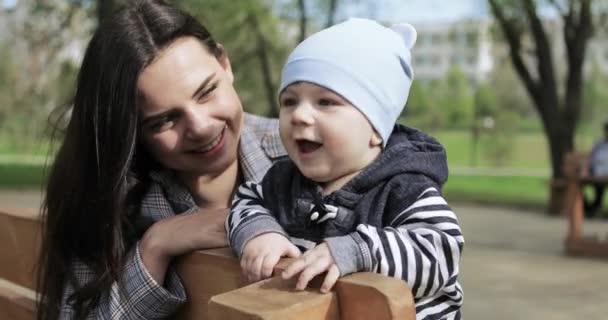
[[375, 140]]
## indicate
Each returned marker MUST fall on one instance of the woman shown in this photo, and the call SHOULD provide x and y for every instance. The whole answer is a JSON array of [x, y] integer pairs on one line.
[[156, 129]]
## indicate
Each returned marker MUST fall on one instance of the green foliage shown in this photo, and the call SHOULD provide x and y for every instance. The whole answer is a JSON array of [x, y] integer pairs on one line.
[[595, 107], [245, 29], [423, 109], [447, 103], [486, 103], [508, 90], [457, 98], [498, 141]]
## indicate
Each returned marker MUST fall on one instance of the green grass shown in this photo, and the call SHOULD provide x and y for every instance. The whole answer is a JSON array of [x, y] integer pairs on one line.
[[21, 176], [529, 152], [529, 192], [529, 149], [510, 191]]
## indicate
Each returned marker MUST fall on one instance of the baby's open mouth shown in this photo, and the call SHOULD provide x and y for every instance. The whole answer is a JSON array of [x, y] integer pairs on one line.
[[307, 146]]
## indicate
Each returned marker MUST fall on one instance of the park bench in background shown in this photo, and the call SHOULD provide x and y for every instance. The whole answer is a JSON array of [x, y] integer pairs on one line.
[[213, 283], [576, 174]]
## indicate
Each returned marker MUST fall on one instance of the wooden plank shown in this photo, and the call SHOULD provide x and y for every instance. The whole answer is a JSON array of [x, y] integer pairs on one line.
[[274, 299], [16, 302], [204, 274], [574, 209], [576, 243], [590, 247], [368, 295], [361, 296], [207, 274], [19, 245]]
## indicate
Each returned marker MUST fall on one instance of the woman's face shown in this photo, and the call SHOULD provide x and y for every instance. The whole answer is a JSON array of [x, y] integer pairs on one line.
[[191, 114]]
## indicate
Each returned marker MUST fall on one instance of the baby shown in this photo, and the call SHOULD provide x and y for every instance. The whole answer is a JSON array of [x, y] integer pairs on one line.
[[358, 192]]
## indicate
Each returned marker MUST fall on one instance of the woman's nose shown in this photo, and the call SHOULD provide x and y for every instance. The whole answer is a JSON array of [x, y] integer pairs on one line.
[[197, 124]]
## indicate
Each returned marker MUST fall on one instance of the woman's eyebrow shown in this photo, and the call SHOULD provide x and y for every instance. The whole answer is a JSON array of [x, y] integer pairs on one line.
[[154, 117], [203, 85]]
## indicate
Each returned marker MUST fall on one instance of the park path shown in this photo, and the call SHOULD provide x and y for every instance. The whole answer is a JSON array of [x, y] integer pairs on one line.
[[513, 265]]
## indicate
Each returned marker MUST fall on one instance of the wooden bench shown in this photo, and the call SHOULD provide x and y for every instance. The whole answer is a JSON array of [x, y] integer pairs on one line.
[[213, 283], [576, 174], [18, 251]]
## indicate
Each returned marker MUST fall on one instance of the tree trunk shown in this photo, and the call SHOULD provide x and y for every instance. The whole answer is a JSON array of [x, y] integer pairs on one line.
[[559, 115], [262, 53], [331, 13], [303, 20], [561, 141]]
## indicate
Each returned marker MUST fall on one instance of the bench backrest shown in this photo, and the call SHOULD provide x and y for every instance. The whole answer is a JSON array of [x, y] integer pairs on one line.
[[213, 283]]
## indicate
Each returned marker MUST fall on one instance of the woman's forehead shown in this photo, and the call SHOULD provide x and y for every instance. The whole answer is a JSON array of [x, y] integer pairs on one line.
[[177, 72]]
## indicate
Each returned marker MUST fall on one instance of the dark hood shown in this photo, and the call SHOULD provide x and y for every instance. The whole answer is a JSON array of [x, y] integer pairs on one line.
[[408, 151]]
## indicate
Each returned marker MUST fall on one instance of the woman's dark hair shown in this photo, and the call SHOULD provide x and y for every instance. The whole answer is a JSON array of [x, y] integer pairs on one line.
[[100, 171]]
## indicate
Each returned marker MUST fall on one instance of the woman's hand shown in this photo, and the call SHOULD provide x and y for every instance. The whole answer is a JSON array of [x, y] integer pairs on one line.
[[181, 234], [262, 253]]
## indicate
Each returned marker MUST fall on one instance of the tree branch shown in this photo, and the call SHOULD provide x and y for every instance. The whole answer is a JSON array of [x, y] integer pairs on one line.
[[262, 53], [576, 36], [562, 11], [513, 37], [543, 51], [331, 14], [303, 20]]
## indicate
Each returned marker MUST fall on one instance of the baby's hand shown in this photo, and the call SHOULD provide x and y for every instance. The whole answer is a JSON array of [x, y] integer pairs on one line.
[[261, 254], [314, 262]]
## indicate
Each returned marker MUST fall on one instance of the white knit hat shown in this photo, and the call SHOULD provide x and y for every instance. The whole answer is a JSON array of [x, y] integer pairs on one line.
[[364, 62]]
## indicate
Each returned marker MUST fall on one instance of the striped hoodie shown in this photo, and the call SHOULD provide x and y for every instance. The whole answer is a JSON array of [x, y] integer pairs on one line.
[[391, 219]]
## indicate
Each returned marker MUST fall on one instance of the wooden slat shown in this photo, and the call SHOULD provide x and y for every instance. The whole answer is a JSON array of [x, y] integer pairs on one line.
[[586, 246], [576, 243], [16, 302], [274, 299], [204, 274], [212, 279], [19, 245], [367, 295]]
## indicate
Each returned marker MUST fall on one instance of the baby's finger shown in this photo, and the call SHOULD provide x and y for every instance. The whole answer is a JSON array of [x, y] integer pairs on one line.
[[293, 251], [245, 265], [256, 269], [310, 272], [295, 267], [268, 265], [330, 279]]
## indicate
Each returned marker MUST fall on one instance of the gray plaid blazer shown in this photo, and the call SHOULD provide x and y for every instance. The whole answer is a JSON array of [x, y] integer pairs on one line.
[[137, 295]]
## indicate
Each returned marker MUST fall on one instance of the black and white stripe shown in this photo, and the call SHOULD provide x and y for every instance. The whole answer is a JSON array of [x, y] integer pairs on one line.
[[422, 245]]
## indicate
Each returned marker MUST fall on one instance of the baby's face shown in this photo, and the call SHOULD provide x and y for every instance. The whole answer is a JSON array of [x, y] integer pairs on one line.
[[327, 138]]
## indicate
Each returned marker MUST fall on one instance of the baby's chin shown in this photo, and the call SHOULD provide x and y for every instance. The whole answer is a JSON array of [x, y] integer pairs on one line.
[[316, 174]]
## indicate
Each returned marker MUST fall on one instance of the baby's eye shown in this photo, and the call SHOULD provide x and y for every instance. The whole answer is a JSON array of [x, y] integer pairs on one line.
[[288, 102], [325, 102]]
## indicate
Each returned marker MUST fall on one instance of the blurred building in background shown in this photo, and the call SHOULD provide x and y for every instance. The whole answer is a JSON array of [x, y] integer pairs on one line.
[[466, 44], [473, 46]]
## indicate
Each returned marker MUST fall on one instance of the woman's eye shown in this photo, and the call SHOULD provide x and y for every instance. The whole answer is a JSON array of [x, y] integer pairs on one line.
[[162, 124], [207, 93]]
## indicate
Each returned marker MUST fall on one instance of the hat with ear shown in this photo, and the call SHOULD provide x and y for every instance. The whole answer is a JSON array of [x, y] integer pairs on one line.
[[363, 61]]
